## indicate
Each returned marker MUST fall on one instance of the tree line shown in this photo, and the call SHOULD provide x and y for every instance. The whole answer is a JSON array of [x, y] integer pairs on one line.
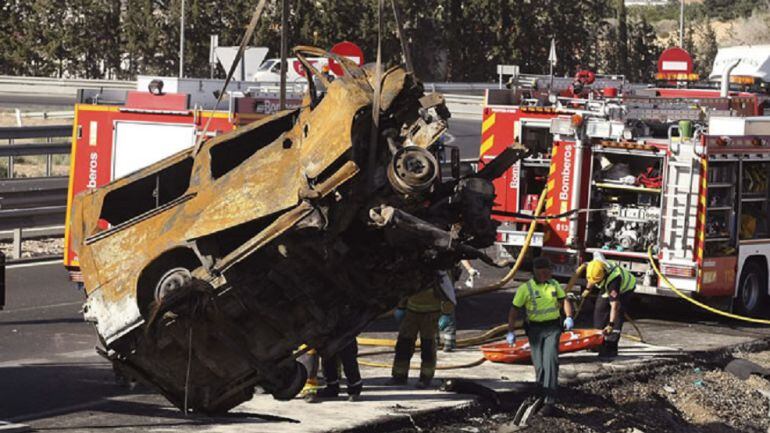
[[449, 40]]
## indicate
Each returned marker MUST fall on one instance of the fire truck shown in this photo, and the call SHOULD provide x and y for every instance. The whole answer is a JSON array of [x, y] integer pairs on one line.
[[683, 171], [116, 132]]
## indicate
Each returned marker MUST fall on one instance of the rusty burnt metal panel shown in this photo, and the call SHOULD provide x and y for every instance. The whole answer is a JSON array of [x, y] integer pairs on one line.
[[281, 233]]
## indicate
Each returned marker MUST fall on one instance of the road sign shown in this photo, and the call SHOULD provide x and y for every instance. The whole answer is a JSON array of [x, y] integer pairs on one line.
[[675, 61], [552, 54], [349, 50]]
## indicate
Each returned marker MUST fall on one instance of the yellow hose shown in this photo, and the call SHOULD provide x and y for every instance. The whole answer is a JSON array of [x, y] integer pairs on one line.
[[417, 367], [509, 276], [463, 342], [698, 303]]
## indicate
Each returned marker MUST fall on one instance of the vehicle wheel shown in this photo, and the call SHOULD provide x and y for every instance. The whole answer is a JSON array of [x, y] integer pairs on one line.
[[294, 385], [171, 281], [752, 290]]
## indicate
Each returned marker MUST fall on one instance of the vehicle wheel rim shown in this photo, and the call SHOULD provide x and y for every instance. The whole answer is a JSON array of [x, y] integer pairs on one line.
[[750, 292], [171, 281]]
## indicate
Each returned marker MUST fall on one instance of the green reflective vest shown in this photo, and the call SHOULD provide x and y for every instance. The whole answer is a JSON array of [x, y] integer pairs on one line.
[[627, 282], [540, 300]]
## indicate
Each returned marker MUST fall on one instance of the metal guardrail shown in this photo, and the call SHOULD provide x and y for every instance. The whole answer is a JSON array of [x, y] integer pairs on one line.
[[25, 83], [464, 106], [34, 202]]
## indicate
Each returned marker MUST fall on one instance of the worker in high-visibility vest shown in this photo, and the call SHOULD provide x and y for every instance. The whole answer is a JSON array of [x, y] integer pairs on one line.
[[616, 285], [542, 298], [418, 315]]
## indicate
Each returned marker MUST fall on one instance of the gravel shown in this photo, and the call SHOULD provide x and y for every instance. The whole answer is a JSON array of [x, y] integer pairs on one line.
[[36, 247], [683, 398]]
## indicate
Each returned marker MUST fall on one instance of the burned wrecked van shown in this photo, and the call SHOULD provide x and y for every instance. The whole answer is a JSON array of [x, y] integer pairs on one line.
[[205, 271]]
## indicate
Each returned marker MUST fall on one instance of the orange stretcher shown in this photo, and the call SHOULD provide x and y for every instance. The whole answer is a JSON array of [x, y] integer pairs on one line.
[[570, 341]]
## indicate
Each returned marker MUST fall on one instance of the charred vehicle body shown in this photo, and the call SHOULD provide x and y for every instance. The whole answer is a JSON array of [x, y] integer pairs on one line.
[[205, 271]]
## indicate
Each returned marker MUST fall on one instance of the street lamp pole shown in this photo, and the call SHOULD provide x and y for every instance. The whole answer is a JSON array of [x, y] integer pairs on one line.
[[181, 42], [681, 24], [284, 49]]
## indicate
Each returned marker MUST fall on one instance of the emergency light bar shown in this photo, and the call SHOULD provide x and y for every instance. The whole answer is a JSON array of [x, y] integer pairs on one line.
[[676, 76]]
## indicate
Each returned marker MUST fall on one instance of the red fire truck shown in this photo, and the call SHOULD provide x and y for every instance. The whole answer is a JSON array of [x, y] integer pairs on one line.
[[115, 134], [683, 171]]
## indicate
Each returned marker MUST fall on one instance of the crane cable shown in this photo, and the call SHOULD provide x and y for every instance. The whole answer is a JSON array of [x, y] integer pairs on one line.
[[696, 302]]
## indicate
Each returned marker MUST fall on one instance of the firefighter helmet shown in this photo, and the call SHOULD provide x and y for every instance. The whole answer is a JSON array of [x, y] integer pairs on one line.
[[595, 271]]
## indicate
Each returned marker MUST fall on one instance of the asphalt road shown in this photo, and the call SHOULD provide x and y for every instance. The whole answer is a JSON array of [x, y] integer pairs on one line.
[[465, 134], [27, 102]]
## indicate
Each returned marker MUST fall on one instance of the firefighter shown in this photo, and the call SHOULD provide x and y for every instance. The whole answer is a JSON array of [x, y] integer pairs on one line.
[[542, 299], [348, 357], [418, 314], [326, 71], [616, 285]]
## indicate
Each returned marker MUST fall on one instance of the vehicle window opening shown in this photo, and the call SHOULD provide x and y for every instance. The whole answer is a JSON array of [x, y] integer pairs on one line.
[[229, 154], [537, 138], [147, 193]]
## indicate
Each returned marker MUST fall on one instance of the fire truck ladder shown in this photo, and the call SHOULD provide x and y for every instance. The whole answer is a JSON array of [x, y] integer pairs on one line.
[[680, 201]]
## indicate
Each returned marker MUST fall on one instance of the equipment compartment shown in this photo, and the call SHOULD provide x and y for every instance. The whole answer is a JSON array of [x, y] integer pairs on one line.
[[625, 199]]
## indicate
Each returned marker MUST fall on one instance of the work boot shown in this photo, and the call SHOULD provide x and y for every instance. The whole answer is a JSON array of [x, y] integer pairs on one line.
[[329, 391], [355, 391], [423, 383], [396, 381], [354, 397], [607, 354], [548, 410]]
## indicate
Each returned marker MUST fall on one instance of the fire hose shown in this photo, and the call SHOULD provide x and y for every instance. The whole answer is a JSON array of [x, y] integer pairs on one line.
[[696, 302]]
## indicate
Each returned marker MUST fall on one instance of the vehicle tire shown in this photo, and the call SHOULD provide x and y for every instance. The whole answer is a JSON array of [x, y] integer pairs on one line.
[[163, 276], [170, 281], [752, 290], [294, 385]]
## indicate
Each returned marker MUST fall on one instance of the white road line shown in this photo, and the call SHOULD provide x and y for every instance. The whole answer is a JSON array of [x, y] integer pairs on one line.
[[29, 265], [9, 427], [41, 307]]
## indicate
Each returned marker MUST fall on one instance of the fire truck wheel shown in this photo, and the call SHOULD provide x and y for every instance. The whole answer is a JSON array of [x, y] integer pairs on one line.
[[752, 289]]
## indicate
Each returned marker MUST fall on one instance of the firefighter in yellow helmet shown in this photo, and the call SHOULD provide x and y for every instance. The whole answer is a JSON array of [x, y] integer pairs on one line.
[[616, 284]]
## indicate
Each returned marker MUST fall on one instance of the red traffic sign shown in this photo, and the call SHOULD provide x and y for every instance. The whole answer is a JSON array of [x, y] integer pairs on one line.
[[349, 50], [675, 61]]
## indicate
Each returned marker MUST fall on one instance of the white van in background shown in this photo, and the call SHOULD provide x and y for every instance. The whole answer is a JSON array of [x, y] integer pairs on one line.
[[270, 70]]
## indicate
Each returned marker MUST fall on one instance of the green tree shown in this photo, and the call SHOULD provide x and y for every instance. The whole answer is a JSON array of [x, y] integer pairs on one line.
[[16, 51], [622, 52], [644, 52], [706, 50]]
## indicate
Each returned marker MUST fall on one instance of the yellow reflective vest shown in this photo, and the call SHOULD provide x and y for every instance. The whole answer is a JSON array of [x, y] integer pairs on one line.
[[627, 279], [540, 300]]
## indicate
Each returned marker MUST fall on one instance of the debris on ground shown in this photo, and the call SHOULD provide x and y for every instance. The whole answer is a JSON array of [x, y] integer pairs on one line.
[[680, 398], [35, 247]]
